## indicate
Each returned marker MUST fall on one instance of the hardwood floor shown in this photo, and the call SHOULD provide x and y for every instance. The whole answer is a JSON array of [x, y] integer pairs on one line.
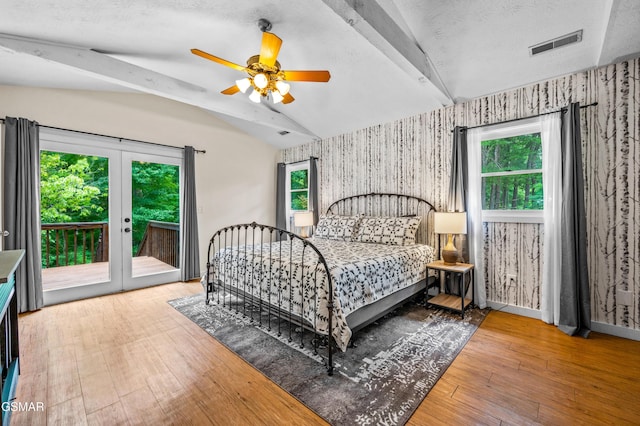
[[131, 358]]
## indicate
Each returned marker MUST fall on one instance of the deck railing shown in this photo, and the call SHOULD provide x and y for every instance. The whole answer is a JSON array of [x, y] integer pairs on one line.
[[162, 241], [74, 243]]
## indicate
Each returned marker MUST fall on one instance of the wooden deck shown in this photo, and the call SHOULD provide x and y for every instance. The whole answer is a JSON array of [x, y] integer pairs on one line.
[[91, 273]]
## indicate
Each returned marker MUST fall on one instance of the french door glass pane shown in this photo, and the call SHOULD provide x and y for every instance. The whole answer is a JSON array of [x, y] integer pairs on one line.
[[155, 217], [74, 213]]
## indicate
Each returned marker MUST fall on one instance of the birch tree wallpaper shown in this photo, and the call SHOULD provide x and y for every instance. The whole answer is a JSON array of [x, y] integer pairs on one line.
[[412, 156]]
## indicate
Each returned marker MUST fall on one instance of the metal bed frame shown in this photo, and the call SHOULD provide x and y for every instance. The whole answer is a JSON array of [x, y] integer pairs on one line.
[[251, 305], [218, 277]]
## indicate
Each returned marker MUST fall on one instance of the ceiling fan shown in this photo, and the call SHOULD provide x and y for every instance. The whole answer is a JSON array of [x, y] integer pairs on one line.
[[265, 75]]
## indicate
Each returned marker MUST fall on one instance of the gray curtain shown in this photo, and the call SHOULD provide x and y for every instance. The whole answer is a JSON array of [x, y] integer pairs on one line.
[[457, 200], [281, 193], [313, 189], [22, 207], [575, 305], [190, 254]]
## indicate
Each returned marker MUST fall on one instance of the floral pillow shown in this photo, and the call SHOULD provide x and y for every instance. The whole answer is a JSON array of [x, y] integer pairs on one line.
[[336, 227], [400, 231]]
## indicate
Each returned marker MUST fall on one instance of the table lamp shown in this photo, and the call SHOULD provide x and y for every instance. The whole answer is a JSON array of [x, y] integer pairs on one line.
[[450, 223], [303, 220]]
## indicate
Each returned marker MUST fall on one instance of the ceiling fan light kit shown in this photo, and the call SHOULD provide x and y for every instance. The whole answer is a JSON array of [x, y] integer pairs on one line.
[[265, 75]]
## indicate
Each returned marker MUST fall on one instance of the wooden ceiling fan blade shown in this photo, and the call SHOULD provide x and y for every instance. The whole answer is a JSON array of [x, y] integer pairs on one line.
[[269, 49], [218, 60], [288, 99], [317, 76], [231, 90]]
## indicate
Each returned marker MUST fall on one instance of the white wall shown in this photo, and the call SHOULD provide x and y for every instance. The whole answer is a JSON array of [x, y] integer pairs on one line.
[[235, 178]]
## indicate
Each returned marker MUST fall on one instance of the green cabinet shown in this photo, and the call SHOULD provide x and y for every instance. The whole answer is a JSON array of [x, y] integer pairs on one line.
[[9, 344]]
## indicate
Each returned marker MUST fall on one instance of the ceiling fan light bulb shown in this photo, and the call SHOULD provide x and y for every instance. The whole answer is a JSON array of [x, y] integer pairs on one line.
[[255, 96], [243, 84], [260, 80], [276, 96], [282, 87]]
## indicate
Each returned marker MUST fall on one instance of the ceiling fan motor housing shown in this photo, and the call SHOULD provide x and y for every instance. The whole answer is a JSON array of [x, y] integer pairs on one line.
[[264, 25]]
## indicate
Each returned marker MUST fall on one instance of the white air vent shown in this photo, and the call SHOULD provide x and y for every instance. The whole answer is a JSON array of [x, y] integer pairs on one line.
[[574, 37]]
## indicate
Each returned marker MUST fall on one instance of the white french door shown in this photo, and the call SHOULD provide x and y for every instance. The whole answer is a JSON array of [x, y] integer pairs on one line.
[[129, 194], [150, 219]]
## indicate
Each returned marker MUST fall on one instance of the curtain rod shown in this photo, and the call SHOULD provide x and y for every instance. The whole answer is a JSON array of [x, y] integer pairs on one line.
[[523, 118], [198, 151], [301, 161]]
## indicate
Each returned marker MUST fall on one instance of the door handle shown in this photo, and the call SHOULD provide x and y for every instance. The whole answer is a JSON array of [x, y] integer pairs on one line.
[[127, 229]]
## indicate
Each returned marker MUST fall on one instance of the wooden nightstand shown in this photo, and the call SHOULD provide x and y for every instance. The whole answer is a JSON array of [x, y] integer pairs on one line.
[[450, 301]]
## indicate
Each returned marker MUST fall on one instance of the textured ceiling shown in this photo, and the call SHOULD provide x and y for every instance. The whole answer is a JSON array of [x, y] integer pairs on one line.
[[388, 58]]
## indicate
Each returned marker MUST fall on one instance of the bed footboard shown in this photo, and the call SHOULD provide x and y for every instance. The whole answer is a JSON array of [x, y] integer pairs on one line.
[[273, 276]]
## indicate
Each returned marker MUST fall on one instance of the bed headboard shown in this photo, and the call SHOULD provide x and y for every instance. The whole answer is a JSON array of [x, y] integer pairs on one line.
[[387, 204]]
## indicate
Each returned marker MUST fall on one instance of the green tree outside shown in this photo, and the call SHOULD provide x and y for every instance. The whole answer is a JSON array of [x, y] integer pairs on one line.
[[517, 191], [75, 188], [155, 196], [299, 189]]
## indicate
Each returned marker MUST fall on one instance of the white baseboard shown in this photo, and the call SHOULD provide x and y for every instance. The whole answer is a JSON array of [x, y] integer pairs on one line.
[[599, 327], [615, 330], [518, 310]]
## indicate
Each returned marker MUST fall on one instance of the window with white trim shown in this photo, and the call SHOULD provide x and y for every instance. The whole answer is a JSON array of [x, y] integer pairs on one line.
[[512, 173], [297, 184]]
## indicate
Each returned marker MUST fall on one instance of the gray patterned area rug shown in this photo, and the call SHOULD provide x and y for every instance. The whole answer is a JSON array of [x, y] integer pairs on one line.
[[382, 380]]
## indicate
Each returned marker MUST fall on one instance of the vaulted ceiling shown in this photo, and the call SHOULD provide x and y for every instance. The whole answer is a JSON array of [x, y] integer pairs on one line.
[[388, 58]]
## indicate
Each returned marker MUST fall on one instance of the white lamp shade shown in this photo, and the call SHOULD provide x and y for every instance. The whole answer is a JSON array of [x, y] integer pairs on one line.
[[303, 219], [276, 96], [243, 84], [282, 87], [450, 223], [255, 96], [260, 80]]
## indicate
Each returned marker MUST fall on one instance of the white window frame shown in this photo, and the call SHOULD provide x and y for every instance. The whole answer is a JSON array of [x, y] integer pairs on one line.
[[304, 165], [521, 127]]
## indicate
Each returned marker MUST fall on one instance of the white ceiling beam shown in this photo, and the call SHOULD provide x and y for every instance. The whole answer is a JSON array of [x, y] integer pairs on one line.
[[109, 69], [608, 29], [373, 23]]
